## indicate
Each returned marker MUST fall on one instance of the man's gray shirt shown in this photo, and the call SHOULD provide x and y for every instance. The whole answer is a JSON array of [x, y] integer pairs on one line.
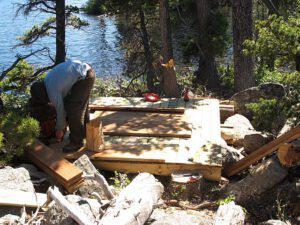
[[59, 82]]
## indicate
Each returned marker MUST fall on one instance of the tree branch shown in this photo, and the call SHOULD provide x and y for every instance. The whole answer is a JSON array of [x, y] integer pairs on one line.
[[19, 58]]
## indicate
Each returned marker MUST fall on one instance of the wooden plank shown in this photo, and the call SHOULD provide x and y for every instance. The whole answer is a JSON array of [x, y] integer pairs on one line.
[[143, 124], [164, 169], [136, 109], [21, 198], [262, 152], [94, 135], [205, 129], [53, 163]]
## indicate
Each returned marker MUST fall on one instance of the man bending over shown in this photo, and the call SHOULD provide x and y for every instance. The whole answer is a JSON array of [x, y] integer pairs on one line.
[[63, 97]]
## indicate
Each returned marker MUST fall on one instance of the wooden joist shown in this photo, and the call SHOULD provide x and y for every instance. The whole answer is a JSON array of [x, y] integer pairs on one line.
[[53, 163], [94, 135], [262, 152]]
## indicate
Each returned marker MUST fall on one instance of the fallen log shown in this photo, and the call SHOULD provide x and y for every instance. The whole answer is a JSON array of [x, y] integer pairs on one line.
[[262, 178], [135, 203], [71, 210], [289, 154]]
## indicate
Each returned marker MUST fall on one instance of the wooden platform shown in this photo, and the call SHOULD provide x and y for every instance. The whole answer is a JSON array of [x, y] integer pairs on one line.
[[162, 150]]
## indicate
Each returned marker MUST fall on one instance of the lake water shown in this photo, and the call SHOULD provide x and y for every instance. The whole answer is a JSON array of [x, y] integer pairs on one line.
[[97, 44]]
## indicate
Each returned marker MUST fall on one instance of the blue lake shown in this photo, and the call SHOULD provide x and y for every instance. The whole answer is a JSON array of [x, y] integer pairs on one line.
[[98, 43]]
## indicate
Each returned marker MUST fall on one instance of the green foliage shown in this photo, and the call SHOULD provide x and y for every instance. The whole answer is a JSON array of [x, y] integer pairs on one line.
[[118, 87], [226, 200], [277, 41], [120, 180], [1, 140], [18, 78], [267, 114], [38, 31], [96, 7], [177, 190], [227, 77], [18, 132]]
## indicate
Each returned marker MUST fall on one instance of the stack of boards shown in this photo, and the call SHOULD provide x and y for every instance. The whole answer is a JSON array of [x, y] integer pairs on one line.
[[54, 164]]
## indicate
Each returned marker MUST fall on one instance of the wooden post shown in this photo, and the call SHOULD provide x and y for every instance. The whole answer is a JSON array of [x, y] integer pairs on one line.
[[94, 135]]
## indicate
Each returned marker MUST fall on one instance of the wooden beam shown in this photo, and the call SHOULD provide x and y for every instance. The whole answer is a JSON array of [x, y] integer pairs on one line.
[[94, 136], [164, 169], [262, 152], [21, 198], [136, 109]]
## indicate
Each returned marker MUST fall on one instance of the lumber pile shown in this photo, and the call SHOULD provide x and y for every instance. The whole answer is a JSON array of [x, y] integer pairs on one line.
[[54, 164]]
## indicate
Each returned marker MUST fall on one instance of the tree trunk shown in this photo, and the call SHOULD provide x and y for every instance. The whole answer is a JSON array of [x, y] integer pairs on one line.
[[168, 80], [135, 203], [242, 30], [148, 53], [60, 31], [207, 71]]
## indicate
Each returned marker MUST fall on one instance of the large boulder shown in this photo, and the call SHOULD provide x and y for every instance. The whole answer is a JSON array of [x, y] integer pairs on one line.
[[254, 141], [15, 179], [9, 219], [89, 186], [175, 216], [235, 128], [230, 214], [253, 94], [230, 155]]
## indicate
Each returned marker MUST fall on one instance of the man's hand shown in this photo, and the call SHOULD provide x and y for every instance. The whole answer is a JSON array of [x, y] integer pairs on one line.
[[59, 134]]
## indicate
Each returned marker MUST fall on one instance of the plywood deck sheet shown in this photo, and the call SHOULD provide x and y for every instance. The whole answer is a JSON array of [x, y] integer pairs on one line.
[[150, 153], [144, 124], [54, 164]]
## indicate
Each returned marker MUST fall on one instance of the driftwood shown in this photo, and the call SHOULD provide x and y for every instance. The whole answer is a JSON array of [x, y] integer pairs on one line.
[[103, 183], [289, 154], [230, 214], [71, 210], [135, 203]]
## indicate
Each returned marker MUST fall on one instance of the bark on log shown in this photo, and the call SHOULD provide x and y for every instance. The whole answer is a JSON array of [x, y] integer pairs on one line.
[[135, 203], [289, 154], [71, 210], [230, 214]]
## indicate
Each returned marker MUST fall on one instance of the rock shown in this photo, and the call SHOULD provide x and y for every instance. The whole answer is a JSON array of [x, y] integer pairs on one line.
[[89, 186], [263, 177], [253, 94], [15, 179], [286, 127], [238, 127], [274, 222], [9, 219], [56, 216], [230, 214], [254, 141], [175, 216], [230, 155], [34, 173]]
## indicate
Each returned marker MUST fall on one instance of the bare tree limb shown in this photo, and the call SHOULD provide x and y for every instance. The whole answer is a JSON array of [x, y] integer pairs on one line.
[[19, 58]]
